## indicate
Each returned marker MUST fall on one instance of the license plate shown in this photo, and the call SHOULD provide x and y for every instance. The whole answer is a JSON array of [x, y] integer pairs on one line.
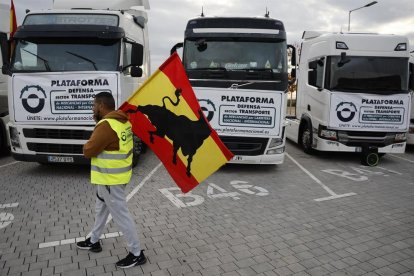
[[60, 159], [237, 158]]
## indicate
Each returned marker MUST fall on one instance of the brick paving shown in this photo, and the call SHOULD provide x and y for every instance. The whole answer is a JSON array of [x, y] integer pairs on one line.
[[281, 232]]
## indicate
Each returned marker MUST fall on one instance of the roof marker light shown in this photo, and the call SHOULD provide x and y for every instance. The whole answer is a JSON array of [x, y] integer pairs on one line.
[[341, 45], [401, 47]]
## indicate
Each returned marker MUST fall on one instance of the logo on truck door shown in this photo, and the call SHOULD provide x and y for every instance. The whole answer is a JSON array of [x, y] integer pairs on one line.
[[208, 108], [33, 98], [346, 111]]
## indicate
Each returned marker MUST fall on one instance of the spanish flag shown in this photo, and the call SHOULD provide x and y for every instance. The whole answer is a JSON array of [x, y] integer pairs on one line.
[[166, 115], [13, 21]]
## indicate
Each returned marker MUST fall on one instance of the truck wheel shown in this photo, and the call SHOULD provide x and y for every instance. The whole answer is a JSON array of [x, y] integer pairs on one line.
[[306, 140], [4, 149], [370, 159], [137, 150]]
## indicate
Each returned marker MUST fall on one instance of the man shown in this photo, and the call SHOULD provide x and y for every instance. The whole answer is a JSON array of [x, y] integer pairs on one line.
[[110, 149]]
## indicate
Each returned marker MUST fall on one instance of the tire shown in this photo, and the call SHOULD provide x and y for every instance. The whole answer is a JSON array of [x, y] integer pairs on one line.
[[4, 149], [306, 139], [137, 150], [370, 159]]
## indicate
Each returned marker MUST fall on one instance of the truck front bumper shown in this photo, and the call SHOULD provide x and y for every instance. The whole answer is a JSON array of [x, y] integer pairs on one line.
[[51, 158], [327, 145]]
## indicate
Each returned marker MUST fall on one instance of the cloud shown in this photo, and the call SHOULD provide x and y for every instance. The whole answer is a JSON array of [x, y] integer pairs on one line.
[[168, 18]]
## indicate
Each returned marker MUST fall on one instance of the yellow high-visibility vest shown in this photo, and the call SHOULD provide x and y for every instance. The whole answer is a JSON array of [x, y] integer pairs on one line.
[[114, 167]]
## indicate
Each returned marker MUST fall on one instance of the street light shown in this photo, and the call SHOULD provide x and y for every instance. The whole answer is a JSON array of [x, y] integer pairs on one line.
[[349, 17]]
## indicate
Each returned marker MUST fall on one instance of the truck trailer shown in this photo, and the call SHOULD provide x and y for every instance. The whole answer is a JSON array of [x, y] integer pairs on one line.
[[352, 94], [238, 67], [63, 57]]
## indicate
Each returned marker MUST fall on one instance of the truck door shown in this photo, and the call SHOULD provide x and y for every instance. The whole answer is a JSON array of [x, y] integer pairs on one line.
[[313, 102]]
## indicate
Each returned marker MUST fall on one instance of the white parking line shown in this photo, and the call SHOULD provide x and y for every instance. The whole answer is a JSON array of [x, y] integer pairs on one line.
[[9, 164], [107, 235], [333, 195], [9, 205], [388, 170], [69, 241], [402, 158], [7, 218]]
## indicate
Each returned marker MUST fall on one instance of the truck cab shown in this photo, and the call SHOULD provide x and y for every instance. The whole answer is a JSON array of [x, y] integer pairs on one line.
[[61, 58], [238, 68], [352, 94]]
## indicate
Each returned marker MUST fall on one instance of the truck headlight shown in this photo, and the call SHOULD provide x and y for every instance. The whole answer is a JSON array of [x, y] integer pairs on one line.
[[274, 142], [328, 133], [14, 137], [276, 151], [400, 137]]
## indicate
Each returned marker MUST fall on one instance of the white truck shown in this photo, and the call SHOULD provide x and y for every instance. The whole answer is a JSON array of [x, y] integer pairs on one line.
[[352, 94], [410, 134], [4, 111], [239, 72], [4, 115], [63, 57]]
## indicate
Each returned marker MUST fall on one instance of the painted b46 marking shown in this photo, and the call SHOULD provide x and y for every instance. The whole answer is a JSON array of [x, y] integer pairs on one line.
[[214, 191]]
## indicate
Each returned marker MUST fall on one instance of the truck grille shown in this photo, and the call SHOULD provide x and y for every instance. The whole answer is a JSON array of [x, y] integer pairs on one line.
[[75, 134], [55, 148], [245, 145], [359, 138]]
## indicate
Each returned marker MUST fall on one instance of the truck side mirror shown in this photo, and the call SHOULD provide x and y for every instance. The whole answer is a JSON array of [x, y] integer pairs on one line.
[[313, 64], [136, 72], [5, 54], [316, 67], [5, 70], [312, 72], [312, 77], [137, 54], [175, 47], [292, 62], [292, 76], [411, 83], [344, 60]]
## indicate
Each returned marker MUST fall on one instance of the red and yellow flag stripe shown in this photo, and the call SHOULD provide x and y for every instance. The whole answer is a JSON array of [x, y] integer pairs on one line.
[[13, 20], [210, 156]]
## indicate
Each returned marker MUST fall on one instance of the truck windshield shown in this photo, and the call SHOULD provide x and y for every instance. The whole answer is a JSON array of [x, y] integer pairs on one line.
[[57, 55], [381, 75], [235, 55]]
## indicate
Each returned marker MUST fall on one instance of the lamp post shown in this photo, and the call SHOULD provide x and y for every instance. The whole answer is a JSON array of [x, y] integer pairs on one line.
[[349, 16]]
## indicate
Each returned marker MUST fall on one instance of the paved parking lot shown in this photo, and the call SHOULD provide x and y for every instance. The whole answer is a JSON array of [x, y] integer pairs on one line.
[[312, 215]]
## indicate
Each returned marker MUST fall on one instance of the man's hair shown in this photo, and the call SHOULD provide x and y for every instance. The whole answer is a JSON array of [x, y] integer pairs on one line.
[[106, 99]]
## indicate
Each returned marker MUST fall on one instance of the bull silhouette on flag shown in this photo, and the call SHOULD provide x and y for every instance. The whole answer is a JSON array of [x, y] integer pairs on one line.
[[166, 115], [185, 134]]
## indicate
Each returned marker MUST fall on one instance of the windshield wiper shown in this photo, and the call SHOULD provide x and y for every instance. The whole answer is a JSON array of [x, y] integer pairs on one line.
[[42, 59], [84, 58]]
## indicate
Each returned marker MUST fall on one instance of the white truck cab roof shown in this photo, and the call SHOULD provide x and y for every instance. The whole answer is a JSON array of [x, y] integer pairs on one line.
[[101, 4]]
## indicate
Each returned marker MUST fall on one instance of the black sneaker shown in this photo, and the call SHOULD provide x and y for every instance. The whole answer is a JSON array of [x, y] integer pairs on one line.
[[87, 245], [132, 260]]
